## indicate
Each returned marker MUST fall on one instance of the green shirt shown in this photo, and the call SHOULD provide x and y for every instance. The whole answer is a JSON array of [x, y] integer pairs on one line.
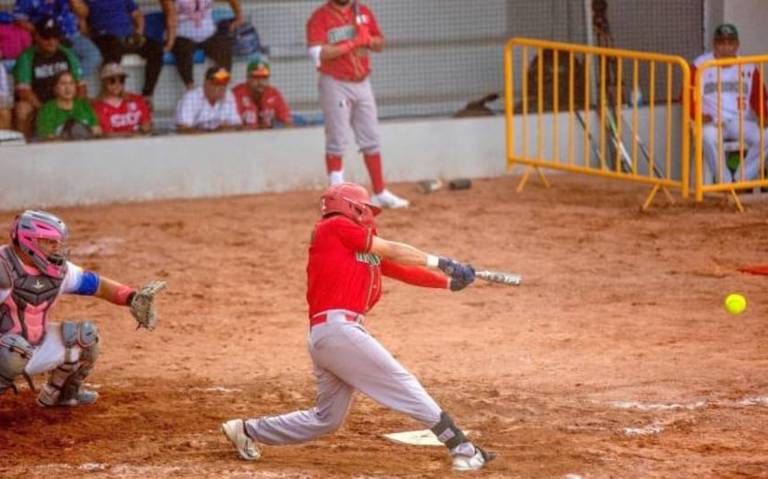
[[34, 70], [51, 118]]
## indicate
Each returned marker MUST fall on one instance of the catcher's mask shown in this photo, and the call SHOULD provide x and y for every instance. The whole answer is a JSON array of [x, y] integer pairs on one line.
[[43, 238], [350, 200]]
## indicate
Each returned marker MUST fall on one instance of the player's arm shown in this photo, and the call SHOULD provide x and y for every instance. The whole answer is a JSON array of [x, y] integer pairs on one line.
[[759, 97], [461, 275]]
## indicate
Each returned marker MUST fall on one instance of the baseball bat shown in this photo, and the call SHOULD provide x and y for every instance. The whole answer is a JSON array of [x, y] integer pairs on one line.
[[499, 277]]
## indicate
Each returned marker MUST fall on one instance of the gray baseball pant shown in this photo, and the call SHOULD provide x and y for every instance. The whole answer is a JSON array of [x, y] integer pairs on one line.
[[346, 358], [348, 104]]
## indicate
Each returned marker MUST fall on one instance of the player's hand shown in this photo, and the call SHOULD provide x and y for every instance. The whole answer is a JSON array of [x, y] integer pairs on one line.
[[706, 118], [363, 38], [461, 274], [142, 304]]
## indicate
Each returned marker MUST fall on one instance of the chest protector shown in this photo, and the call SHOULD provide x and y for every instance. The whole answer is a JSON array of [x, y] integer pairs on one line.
[[25, 310]]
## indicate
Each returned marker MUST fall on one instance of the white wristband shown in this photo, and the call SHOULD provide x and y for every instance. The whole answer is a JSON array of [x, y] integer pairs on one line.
[[432, 261]]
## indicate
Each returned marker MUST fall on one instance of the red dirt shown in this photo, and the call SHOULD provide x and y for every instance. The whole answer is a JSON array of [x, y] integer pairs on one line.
[[619, 324]]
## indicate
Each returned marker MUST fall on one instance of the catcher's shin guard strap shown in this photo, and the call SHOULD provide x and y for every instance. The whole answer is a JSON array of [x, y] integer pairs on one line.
[[447, 432]]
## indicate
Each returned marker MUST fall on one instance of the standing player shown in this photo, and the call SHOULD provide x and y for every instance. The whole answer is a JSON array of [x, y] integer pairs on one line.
[[34, 272], [339, 42], [346, 261], [732, 112]]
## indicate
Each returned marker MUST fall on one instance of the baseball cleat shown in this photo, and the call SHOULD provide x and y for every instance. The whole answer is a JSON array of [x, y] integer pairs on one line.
[[474, 462], [235, 432], [387, 199], [84, 397]]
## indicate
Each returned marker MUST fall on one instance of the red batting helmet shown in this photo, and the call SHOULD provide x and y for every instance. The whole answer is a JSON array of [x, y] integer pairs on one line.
[[350, 200]]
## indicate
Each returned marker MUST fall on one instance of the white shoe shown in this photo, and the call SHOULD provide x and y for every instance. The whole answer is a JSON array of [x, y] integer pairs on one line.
[[474, 462], [235, 432], [387, 199], [336, 177]]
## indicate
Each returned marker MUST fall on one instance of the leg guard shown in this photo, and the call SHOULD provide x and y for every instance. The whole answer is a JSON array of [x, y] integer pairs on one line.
[[447, 432], [15, 353], [63, 386]]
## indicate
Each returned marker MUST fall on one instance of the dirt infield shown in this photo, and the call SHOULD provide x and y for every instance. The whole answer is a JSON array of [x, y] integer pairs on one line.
[[614, 359]]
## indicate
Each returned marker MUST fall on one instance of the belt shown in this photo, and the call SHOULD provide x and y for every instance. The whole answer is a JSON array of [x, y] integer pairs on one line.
[[335, 316]]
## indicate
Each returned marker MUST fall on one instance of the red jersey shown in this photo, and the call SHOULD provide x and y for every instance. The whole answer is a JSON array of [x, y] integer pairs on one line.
[[341, 272], [124, 118], [271, 107], [330, 25]]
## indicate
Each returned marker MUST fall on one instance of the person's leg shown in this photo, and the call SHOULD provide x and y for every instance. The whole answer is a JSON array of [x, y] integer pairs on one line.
[[5, 118], [24, 113], [219, 49], [183, 49], [111, 48], [365, 124], [69, 352], [336, 103], [152, 52], [709, 144], [87, 53], [754, 160]]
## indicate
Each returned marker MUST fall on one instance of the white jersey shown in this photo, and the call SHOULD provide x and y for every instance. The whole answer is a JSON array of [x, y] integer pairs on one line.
[[732, 103], [195, 111], [195, 19]]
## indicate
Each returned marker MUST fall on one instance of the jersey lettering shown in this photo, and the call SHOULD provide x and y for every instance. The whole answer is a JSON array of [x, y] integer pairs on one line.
[[368, 258], [339, 34]]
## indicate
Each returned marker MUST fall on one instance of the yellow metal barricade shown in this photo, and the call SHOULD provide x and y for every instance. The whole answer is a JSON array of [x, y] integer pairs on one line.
[[729, 129], [587, 117]]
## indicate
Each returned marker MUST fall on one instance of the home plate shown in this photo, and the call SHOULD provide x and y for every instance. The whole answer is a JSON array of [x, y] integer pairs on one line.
[[425, 437]]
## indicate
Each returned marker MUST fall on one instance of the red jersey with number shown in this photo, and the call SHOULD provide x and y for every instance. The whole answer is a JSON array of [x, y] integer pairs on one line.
[[341, 272], [330, 25], [271, 107], [126, 117]]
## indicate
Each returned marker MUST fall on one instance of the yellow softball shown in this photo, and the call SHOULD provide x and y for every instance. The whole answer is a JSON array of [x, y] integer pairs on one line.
[[735, 303]]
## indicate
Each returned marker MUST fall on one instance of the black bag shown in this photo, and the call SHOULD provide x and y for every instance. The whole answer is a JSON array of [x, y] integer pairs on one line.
[[245, 38]]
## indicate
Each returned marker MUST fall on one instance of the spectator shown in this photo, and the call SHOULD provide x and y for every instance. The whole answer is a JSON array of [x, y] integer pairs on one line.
[[210, 107], [29, 12], [732, 107], [196, 29], [117, 28], [35, 70], [13, 40], [120, 113], [66, 116], [258, 103], [6, 100]]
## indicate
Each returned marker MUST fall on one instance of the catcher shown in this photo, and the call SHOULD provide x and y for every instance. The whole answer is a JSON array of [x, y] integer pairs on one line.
[[34, 272]]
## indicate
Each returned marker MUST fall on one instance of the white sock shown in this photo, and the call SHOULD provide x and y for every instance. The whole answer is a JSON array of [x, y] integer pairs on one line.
[[336, 177]]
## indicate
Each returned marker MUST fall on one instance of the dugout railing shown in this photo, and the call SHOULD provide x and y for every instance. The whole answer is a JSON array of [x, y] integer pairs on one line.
[[579, 108], [731, 143]]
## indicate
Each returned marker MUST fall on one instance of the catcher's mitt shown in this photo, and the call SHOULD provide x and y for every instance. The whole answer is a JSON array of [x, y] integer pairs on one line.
[[142, 307]]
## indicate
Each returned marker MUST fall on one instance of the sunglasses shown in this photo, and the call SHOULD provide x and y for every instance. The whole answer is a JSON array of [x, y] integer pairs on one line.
[[114, 80]]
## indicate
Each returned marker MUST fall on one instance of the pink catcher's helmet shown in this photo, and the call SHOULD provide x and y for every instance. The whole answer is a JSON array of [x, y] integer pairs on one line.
[[350, 200], [33, 225]]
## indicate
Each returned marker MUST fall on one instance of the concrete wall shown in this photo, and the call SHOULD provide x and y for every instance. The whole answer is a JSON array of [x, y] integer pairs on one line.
[[106, 171], [751, 18]]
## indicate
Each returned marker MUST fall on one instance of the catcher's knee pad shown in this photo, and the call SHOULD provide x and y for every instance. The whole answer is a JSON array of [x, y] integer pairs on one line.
[[15, 353], [65, 381], [447, 432]]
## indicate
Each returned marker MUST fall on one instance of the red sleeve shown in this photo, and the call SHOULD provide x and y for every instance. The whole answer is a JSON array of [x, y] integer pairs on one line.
[[101, 115], [316, 34], [373, 25], [754, 100], [282, 112], [352, 235], [414, 275], [692, 112]]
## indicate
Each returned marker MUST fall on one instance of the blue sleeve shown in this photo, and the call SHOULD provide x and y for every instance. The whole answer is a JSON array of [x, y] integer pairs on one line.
[[22, 10], [131, 6], [89, 284]]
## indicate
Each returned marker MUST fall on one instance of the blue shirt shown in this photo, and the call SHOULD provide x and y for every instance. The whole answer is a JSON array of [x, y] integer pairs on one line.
[[35, 10], [111, 17]]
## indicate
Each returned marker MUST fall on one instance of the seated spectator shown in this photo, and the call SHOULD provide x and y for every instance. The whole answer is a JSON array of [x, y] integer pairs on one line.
[[260, 105], [35, 72], [30, 12], [196, 29], [66, 116], [6, 100], [117, 28], [120, 113], [210, 107]]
